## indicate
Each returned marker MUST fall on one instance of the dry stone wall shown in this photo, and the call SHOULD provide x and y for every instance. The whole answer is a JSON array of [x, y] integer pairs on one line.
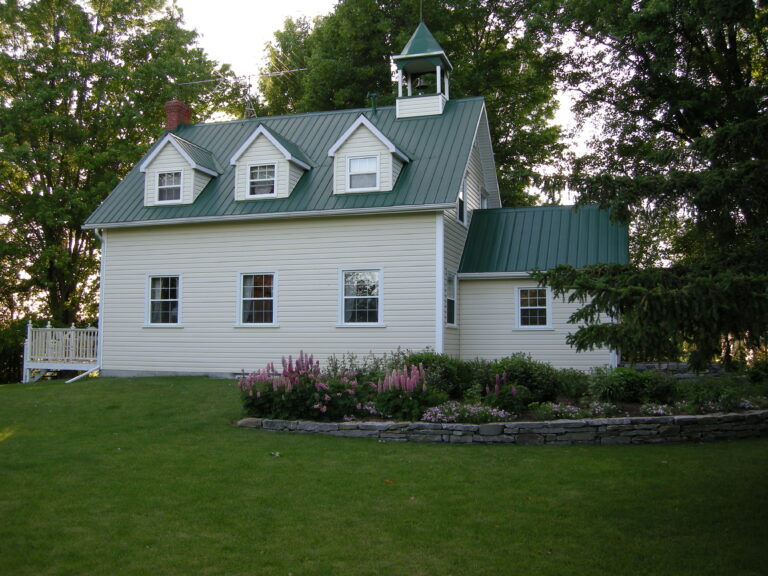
[[631, 430]]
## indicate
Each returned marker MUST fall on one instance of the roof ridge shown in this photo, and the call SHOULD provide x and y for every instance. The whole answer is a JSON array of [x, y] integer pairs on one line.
[[359, 110]]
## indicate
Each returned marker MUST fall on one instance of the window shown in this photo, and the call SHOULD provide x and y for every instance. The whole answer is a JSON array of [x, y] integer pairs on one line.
[[257, 302], [164, 299], [364, 173], [451, 299], [460, 208], [362, 296], [533, 308], [261, 180], [169, 186]]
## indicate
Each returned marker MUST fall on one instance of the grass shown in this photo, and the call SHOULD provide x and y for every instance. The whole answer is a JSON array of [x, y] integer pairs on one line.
[[147, 476]]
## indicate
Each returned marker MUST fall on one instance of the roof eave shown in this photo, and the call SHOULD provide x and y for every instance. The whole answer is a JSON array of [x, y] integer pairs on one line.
[[270, 216]]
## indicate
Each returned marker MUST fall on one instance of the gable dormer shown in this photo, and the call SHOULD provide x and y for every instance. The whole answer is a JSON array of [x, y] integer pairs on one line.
[[176, 171], [364, 160], [267, 166], [425, 69]]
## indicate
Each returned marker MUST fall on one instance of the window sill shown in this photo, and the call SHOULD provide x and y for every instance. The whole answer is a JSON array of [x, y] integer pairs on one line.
[[163, 326], [259, 197], [251, 326], [534, 329]]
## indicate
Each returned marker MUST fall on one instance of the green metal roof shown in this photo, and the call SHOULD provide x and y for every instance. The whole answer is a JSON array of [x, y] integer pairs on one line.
[[199, 155], [421, 46], [421, 42], [438, 148], [525, 239]]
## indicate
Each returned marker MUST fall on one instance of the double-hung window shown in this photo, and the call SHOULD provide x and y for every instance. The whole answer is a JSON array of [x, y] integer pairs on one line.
[[534, 310], [363, 173], [257, 299], [450, 303], [261, 180], [169, 187], [164, 300], [361, 301]]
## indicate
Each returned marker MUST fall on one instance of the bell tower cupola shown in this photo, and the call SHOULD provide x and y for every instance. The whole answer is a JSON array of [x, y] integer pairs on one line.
[[423, 70]]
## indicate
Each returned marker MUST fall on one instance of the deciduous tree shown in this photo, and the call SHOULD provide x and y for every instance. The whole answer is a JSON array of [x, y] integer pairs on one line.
[[82, 87]]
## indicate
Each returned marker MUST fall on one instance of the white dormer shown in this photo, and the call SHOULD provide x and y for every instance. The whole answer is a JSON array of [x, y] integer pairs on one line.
[[176, 171], [266, 167], [364, 160]]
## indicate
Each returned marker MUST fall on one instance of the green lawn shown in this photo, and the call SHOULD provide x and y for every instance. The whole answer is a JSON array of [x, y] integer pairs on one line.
[[148, 476]]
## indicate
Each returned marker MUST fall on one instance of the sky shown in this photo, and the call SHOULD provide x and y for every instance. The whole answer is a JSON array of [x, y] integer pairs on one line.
[[235, 31]]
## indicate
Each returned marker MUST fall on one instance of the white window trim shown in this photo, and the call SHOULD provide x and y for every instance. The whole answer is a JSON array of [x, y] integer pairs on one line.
[[455, 298], [248, 195], [148, 301], [518, 325], [239, 299], [341, 323], [157, 187], [349, 174]]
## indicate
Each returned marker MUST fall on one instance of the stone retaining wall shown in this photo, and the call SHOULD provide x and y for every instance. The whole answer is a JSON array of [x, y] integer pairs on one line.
[[635, 430]]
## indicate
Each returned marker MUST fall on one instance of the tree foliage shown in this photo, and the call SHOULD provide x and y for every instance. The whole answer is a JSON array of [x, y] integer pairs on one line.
[[496, 47], [82, 87], [681, 88]]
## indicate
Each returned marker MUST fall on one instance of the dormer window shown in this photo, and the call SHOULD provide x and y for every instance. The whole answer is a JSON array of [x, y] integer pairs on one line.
[[267, 166], [364, 160], [261, 180], [177, 171], [363, 173], [169, 186]]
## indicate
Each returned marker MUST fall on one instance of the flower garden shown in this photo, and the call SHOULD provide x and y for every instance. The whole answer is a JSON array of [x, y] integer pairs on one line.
[[437, 388]]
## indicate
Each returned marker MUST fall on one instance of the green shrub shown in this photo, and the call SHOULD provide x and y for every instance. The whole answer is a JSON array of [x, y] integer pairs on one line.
[[657, 387], [629, 385], [12, 351], [757, 371], [520, 370], [715, 394], [514, 399], [443, 372], [573, 383]]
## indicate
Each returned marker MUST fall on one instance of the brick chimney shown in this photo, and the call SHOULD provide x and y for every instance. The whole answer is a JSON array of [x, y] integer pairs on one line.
[[177, 112]]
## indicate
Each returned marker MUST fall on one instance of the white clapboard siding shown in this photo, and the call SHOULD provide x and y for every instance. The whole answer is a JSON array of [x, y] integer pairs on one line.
[[306, 254], [488, 320], [262, 151], [412, 106], [455, 238], [362, 142], [200, 181]]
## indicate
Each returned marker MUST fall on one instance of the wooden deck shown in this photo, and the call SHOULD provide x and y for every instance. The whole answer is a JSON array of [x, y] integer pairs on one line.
[[50, 349]]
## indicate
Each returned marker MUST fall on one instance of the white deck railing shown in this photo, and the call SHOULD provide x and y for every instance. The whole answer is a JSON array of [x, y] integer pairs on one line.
[[60, 349]]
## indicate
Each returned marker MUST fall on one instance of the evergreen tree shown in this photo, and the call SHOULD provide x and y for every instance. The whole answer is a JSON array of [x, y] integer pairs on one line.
[[682, 87]]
